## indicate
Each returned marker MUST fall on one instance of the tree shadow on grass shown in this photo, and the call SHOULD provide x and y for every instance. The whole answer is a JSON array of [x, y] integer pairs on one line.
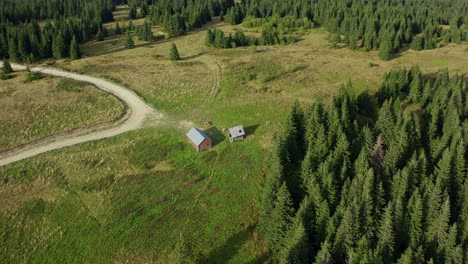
[[401, 52], [227, 251], [215, 135], [197, 55], [250, 130]]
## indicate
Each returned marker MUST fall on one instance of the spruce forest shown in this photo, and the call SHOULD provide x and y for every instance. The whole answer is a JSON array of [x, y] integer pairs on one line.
[[385, 26], [373, 180]]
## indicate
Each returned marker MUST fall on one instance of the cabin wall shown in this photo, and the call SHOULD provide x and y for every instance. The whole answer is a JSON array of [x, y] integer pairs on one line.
[[206, 144]]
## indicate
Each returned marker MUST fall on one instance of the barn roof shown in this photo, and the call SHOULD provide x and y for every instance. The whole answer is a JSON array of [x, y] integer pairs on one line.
[[197, 136], [237, 131]]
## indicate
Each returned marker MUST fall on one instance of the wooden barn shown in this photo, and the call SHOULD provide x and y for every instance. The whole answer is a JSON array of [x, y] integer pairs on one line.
[[199, 139], [236, 133]]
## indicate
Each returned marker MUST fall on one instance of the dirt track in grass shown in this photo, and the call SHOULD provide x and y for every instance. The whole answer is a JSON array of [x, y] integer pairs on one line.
[[137, 112]]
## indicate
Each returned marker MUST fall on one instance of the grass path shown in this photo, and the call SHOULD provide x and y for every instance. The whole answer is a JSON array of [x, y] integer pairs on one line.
[[137, 112]]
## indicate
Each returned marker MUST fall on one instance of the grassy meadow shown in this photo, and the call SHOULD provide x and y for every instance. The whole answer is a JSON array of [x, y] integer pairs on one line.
[[130, 198], [49, 106]]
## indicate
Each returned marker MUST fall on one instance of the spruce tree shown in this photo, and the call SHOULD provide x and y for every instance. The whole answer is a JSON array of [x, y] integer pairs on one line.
[[130, 26], [174, 53], [210, 38], [129, 44], [417, 43], [117, 29], [132, 12], [273, 181], [75, 52], [416, 87], [100, 35], [385, 244], [281, 220], [297, 246], [58, 46], [324, 256], [6, 69], [12, 49], [385, 50], [415, 221]]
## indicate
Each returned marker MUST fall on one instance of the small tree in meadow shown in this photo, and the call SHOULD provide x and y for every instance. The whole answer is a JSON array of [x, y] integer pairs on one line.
[[129, 44], [100, 35], [6, 67], [174, 53], [117, 29]]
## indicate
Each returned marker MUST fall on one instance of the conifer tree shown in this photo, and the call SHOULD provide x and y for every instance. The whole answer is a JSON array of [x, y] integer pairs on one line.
[[129, 44], [132, 12], [416, 87], [281, 220], [324, 256], [385, 244], [437, 229], [117, 29], [296, 249], [130, 26], [415, 221], [100, 35], [6, 68], [210, 38], [13, 50], [385, 50], [174, 53], [274, 179], [417, 43], [58, 47], [75, 53]]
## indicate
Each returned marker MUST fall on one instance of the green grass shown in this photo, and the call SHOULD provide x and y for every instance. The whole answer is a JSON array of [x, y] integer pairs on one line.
[[144, 206], [439, 62]]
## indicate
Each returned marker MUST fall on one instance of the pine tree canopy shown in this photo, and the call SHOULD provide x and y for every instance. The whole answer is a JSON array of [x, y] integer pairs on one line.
[[390, 191]]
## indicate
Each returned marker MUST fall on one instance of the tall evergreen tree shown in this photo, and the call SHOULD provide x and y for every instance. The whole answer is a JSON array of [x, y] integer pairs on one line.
[[281, 220], [129, 44], [100, 35], [75, 52], [58, 47], [174, 53], [6, 68], [385, 50], [117, 29]]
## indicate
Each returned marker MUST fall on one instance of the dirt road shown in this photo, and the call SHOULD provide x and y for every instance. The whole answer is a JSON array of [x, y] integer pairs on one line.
[[138, 110]]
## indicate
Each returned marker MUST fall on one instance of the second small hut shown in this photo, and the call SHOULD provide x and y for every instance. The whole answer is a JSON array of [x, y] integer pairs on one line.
[[236, 133]]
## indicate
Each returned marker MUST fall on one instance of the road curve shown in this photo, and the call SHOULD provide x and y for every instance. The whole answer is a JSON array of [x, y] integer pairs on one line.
[[138, 110]]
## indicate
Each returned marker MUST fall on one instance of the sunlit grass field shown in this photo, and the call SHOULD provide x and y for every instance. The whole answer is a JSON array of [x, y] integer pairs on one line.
[[48, 106]]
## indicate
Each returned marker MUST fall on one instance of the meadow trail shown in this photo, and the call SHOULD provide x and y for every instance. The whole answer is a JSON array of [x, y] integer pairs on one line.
[[137, 112]]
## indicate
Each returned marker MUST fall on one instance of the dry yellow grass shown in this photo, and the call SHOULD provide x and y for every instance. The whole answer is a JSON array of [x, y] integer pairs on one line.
[[34, 110], [182, 85]]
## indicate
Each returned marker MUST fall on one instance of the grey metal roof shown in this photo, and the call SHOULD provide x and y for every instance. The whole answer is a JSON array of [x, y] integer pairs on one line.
[[237, 131], [197, 136]]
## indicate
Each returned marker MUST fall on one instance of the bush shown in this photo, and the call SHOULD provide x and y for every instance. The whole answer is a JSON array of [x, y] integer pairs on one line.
[[32, 76], [5, 76]]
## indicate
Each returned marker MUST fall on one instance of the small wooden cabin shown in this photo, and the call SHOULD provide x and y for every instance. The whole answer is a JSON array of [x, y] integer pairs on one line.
[[199, 139], [236, 133]]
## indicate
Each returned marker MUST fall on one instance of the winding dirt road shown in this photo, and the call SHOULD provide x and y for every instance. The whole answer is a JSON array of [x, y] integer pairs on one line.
[[138, 110]]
